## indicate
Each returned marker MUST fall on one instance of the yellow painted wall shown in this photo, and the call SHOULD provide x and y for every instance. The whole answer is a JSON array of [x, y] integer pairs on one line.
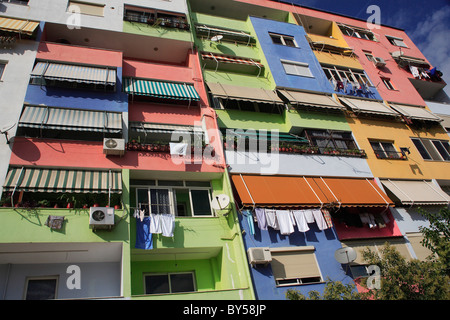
[[400, 135]]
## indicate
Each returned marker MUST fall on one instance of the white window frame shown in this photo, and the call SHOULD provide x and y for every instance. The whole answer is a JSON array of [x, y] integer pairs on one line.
[[86, 4], [172, 197], [435, 151], [389, 85], [31, 278], [282, 39], [3, 65], [356, 75], [299, 68], [396, 41], [383, 149], [194, 281]]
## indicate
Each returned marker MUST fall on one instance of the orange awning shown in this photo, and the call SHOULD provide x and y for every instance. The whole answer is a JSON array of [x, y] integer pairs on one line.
[[18, 25], [272, 191]]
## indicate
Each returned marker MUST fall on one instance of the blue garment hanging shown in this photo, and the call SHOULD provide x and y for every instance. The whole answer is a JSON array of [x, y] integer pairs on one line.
[[144, 239], [248, 214]]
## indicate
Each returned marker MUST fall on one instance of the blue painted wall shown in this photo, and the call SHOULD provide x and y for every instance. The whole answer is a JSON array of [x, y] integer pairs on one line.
[[325, 242], [275, 52], [78, 98]]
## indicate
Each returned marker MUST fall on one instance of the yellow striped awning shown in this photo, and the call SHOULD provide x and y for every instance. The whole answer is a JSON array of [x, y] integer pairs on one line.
[[18, 25], [62, 180]]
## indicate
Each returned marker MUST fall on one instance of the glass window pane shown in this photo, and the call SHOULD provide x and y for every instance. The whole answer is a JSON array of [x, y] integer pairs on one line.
[[200, 202], [379, 152], [423, 152], [442, 150], [289, 42], [160, 201], [157, 284], [276, 39], [390, 150], [41, 289], [431, 149], [182, 282], [142, 195]]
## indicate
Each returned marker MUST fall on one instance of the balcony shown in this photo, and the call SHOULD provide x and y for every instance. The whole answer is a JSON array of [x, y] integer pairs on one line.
[[392, 155]]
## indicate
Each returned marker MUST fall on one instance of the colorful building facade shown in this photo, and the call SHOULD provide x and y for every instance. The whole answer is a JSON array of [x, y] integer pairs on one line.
[[210, 149]]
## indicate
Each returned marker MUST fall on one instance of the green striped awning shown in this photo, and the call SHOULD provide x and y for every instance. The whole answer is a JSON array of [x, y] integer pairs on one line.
[[74, 73], [70, 119], [62, 180], [159, 89]]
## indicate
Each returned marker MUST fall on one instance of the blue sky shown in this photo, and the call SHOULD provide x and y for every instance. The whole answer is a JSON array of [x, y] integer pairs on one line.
[[427, 23]]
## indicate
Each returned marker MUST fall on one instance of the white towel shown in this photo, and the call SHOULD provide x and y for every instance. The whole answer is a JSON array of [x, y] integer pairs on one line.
[[167, 222], [271, 219], [261, 217], [414, 71], [155, 223], [299, 216], [309, 216], [178, 148], [318, 217], [285, 222]]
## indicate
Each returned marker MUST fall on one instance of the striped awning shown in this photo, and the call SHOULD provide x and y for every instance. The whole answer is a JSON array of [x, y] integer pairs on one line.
[[74, 73], [228, 59], [17, 25], [160, 89], [62, 180], [163, 128], [70, 119]]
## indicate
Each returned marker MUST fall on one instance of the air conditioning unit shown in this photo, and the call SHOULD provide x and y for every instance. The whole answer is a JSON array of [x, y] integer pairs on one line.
[[379, 62], [259, 256], [101, 217], [113, 147]]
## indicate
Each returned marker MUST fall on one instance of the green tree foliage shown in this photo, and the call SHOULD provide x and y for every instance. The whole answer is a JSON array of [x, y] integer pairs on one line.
[[334, 290]]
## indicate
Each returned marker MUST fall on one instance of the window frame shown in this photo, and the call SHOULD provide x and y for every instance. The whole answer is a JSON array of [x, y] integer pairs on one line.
[[434, 154], [283, 39], [358, 75], [298, 66], [299, 280], [388, 84], [168, 274], [172, 196], [37, 278], [3, 65], [329, 138], [396, 41], [383, 153], [86, 3]]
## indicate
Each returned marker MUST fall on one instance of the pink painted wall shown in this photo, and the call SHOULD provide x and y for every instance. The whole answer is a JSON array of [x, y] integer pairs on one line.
[[86, 154], [163, 113], [75, 54]]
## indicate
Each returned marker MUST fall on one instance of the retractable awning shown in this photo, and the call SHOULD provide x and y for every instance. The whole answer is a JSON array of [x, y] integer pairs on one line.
[[17, 25], [311, 100], [160, 89], [416, 192], [74, 73], [228, 59], [62, 180], [163, 128], [70, 119], [368, 107], [219, 90], [225, 32], [283, 191], [415, 112]]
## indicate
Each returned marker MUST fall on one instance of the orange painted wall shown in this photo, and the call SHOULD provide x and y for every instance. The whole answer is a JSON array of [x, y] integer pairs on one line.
[[70, 53]]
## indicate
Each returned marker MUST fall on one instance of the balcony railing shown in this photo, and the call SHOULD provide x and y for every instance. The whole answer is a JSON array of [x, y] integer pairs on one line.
[[392, 155]]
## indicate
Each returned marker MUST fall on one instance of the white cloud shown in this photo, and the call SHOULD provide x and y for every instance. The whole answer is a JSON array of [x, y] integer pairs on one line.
[[431, 37]]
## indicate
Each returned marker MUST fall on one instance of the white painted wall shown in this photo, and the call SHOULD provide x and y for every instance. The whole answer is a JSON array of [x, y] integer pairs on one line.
[[100, 279], [13, 86], [294, 164]]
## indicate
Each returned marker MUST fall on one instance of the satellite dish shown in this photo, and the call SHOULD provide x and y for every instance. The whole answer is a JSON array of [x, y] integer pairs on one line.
[[217, 38], [220, 202], [6, 127], [345, 255]]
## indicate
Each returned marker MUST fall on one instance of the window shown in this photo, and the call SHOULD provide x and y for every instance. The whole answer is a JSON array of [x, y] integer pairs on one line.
[[295, 267], [369, 56], [92, 9], [243, 105], [41, 288], [396, 41], [296, 68], [155, 18], [429, 149], [385, 150], [181, 198], [283, 40], [387, 82], [336, 74], [2, 69], [329, 139], [24, 2], [169, 283], [357, 32]]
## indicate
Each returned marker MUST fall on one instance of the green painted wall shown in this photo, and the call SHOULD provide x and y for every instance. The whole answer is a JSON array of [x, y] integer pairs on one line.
[[251, 120], [224, 269]]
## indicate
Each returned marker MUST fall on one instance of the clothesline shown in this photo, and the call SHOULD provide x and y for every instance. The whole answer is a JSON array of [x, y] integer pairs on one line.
[[148, 224], [285, 220]]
